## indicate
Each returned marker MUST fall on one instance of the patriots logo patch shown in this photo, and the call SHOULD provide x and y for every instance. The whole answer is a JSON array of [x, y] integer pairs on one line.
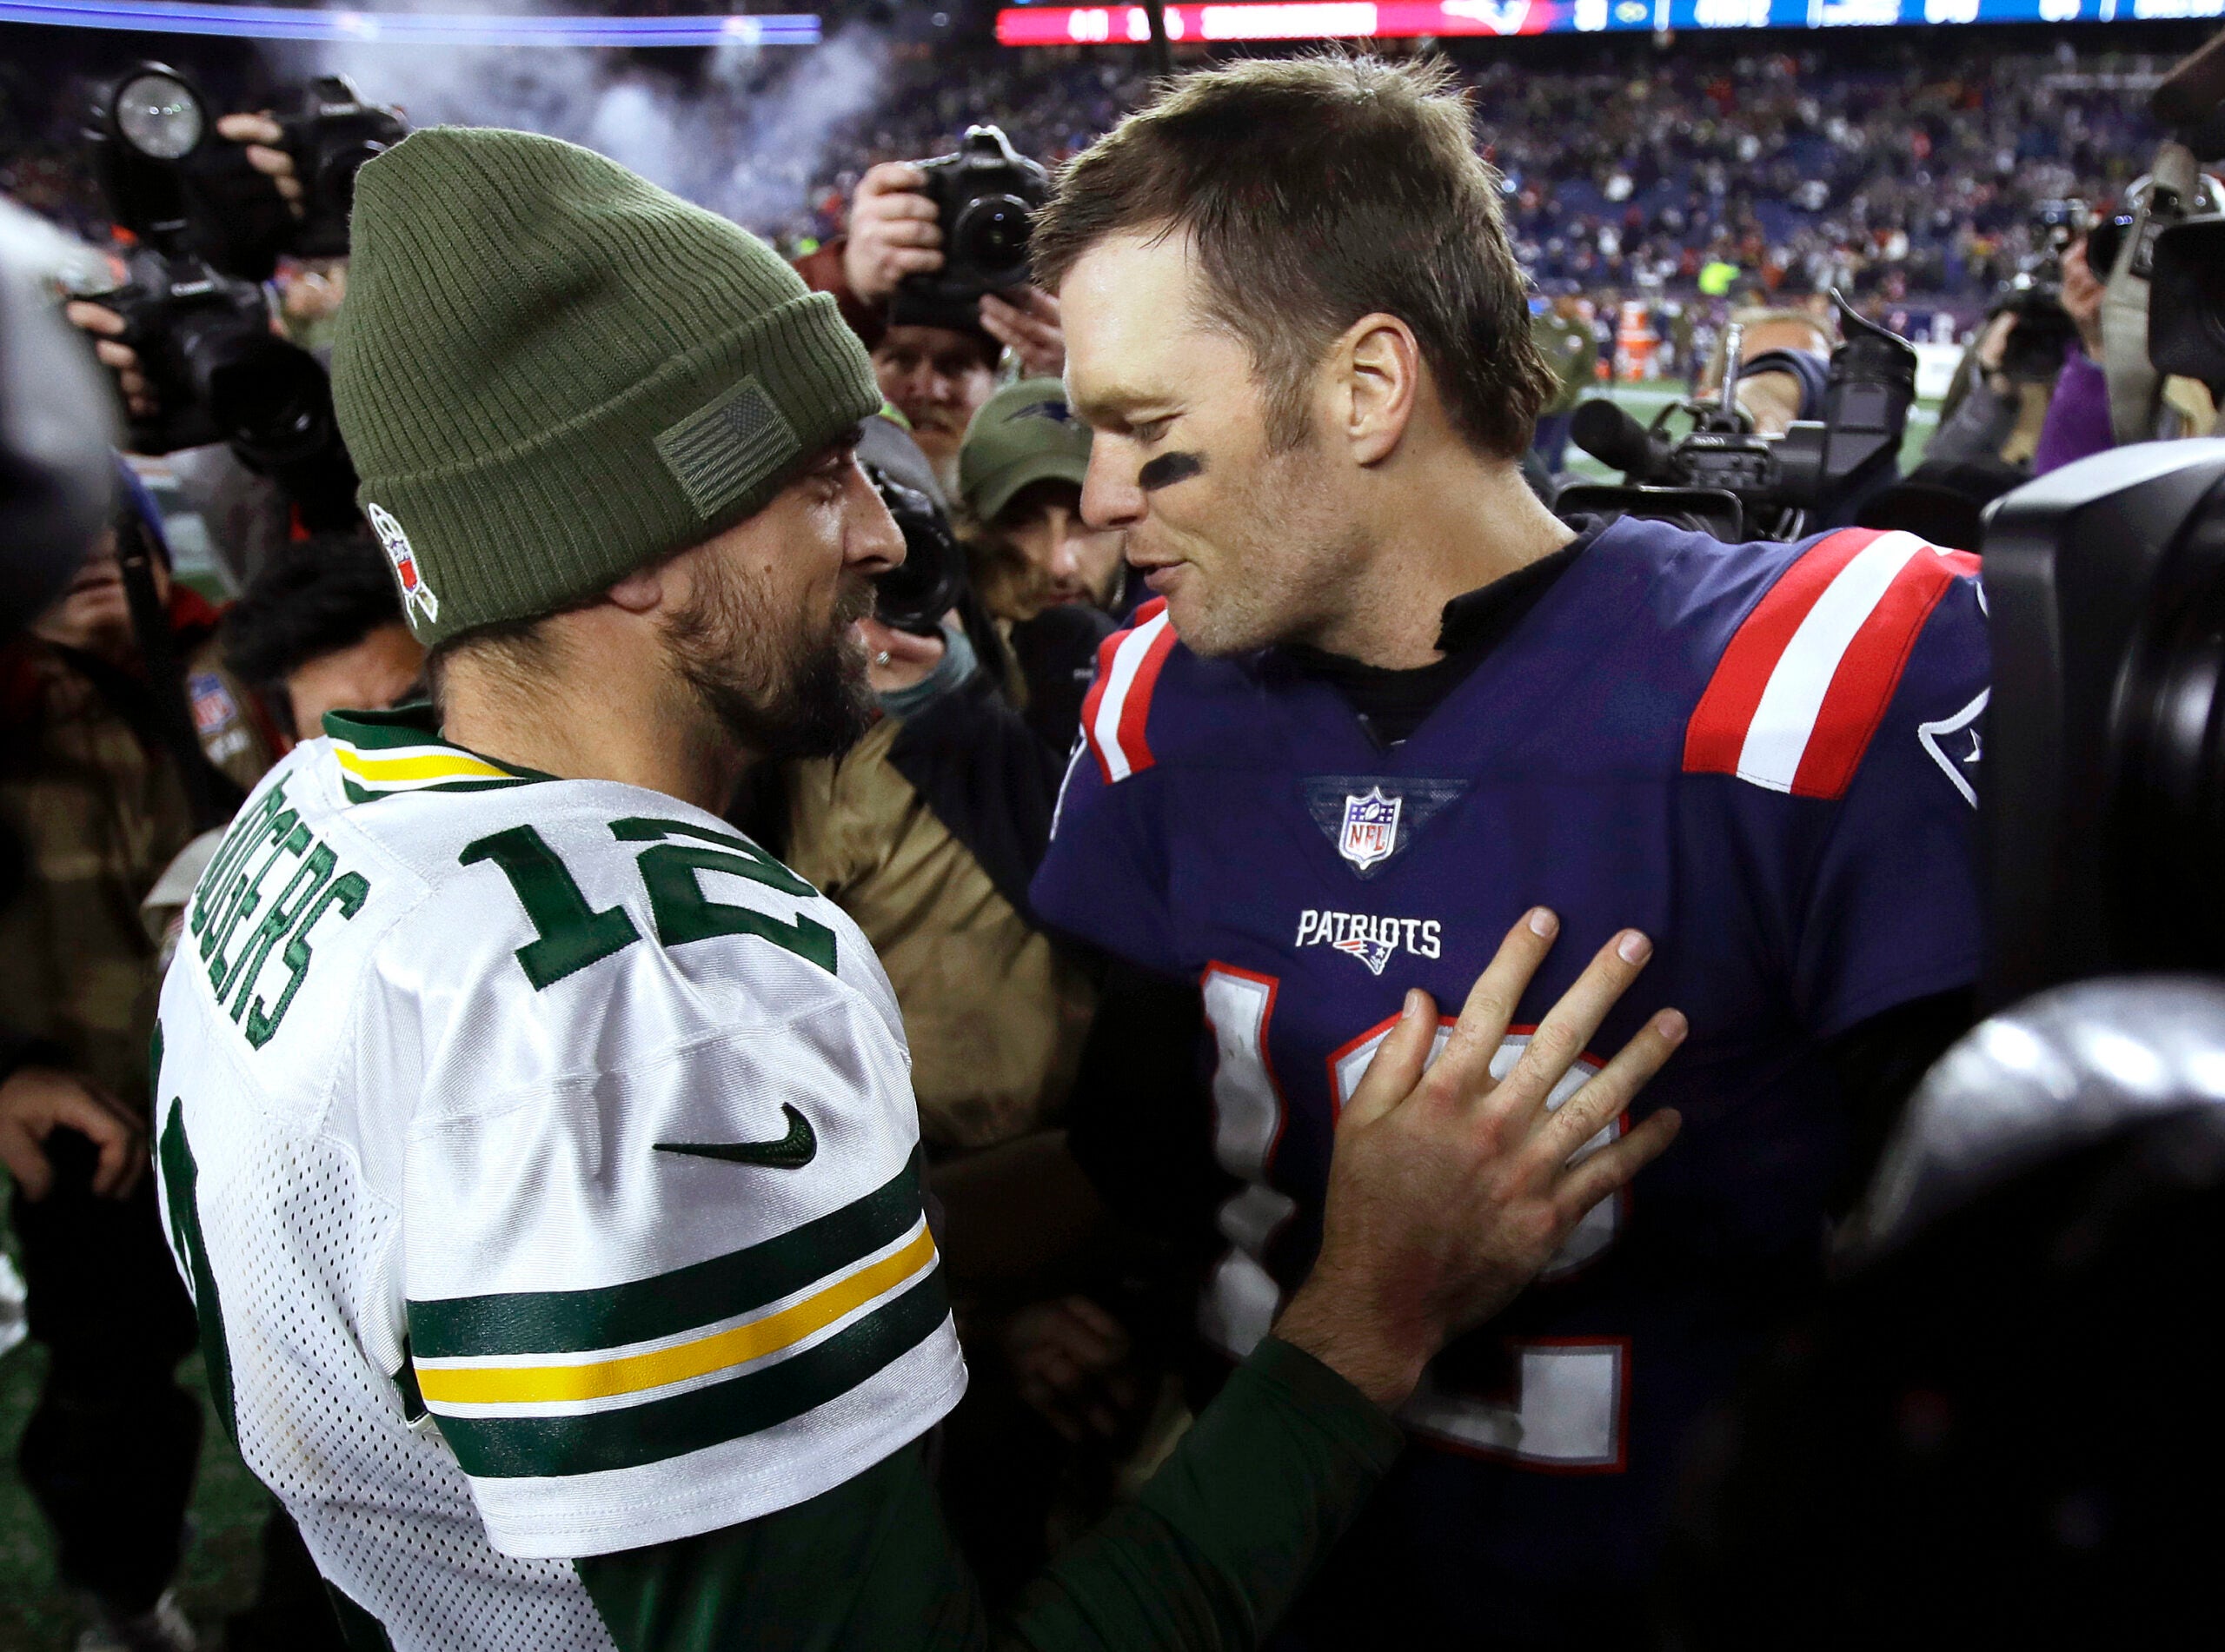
[[1373, 953]]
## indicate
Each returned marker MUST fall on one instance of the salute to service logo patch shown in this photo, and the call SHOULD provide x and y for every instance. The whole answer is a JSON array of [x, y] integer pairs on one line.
[[416, 593]]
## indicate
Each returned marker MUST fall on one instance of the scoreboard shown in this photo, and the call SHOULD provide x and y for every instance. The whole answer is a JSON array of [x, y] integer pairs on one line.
[[1046, 25]]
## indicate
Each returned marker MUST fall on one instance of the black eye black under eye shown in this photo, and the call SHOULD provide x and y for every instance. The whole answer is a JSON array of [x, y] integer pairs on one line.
[[1169, 468]]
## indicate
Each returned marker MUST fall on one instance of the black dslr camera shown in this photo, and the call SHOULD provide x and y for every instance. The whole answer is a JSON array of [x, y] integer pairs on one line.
[[2044, 329], [203, 338], [333, 135], [1724, 480], [984, 194]]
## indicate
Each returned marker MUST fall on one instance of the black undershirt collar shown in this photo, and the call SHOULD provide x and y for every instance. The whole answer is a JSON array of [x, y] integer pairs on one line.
[[1392, 703]]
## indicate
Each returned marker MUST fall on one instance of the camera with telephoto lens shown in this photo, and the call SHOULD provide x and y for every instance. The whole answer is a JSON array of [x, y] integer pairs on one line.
[[330, 139], [1726, 480], [915, 595], [984, 194], [203, 338]]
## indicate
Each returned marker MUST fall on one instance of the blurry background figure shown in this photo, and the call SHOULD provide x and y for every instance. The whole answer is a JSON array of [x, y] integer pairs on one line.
[[937, 377], [1050, 585], [56, 469], [1019, 476], [1563, 335], [101, 789], [320, 629]]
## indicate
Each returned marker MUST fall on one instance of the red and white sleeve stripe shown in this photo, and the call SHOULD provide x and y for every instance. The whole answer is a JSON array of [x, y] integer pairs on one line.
[[1118, 704], [1806, 679]]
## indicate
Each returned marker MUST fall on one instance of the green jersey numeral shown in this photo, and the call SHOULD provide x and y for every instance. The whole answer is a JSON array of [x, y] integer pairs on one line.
[[573, 936]]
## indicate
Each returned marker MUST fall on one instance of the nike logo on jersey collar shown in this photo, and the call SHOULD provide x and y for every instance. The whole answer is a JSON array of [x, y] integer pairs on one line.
[[791, 1153]]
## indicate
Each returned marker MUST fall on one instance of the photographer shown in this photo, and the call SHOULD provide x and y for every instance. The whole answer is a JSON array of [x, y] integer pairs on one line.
[[101, 801], [2078, 412], [209, 377], [938, 372]]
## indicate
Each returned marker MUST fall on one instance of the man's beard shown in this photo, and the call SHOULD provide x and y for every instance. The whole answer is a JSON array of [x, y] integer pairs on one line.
[[776, 691]]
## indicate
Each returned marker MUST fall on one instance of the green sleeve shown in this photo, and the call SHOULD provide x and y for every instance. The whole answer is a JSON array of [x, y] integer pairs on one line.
[[1208, 1557]]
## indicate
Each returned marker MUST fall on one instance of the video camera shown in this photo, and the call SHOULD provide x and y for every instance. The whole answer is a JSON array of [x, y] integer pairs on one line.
[[203, 337], [1726, 480], [984, 194]]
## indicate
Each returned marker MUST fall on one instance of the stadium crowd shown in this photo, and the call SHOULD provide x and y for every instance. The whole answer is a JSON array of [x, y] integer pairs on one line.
[[1077, 1193], [1910, 171]]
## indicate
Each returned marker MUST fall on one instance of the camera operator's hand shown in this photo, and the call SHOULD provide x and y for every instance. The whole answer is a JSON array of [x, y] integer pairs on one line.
[[1026, 322], [897, 659], [37, 1101], [262, 136], [893, 232], [107, 328], [2082, 292], [1449, 1191], [1070, 1359]]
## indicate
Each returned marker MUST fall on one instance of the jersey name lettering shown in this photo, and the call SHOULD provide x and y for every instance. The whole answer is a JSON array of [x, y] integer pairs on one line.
[[235, 888]]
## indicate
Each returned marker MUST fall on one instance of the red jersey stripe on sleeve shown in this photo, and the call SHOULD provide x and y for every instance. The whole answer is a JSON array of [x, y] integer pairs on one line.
[[1868, 674], [1802, 688], [1116, 710], [1718, 731]]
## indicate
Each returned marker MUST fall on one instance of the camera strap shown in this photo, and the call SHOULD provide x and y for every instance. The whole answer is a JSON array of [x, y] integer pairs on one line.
[[172, 717]]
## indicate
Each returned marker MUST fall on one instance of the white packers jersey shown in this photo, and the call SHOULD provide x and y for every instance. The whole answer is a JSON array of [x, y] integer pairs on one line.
[[542, 1159]]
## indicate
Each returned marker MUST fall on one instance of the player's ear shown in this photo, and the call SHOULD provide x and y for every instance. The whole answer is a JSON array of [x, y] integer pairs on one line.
[[1380, 364], [641, 591]]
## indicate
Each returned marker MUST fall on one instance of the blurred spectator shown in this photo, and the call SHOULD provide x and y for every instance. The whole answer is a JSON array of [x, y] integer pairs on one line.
[[97, 794], [1564, 337], [320, 629], [2078, 414], [1048, 581], [1019, 477]]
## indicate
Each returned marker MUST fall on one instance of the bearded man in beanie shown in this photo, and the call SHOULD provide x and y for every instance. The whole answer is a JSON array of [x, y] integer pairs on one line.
[[541, 1152]]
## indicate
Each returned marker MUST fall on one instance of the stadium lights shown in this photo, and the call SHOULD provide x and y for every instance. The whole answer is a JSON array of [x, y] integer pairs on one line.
[[1407, 19], [413, 29]]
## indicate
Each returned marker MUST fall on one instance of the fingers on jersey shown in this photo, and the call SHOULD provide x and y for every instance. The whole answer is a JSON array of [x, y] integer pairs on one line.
[[1465, 1069], [1398, 1063], [1568, 1028], [1608, 1095]]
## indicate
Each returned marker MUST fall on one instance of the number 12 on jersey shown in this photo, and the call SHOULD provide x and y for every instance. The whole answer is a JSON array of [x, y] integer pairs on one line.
[[1566, 1410]]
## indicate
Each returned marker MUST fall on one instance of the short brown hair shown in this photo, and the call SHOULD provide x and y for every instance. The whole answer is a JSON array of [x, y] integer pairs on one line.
[[1318, 189]]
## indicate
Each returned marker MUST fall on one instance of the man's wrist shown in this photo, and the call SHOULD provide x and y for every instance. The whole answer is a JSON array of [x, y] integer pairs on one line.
[[1381, 1358]]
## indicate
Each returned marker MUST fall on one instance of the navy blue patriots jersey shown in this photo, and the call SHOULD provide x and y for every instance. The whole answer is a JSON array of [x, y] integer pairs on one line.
[[1763, 756]]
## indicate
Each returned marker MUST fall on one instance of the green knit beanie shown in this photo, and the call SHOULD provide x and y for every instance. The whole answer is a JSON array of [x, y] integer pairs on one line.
[[550, 373]]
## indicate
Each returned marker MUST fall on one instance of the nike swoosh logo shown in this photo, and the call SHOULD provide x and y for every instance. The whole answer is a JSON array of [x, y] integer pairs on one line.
[[792, 1152]]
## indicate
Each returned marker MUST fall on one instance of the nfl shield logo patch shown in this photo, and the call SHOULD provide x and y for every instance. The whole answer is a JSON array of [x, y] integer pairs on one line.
[[416, 593], [1371, 830]]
